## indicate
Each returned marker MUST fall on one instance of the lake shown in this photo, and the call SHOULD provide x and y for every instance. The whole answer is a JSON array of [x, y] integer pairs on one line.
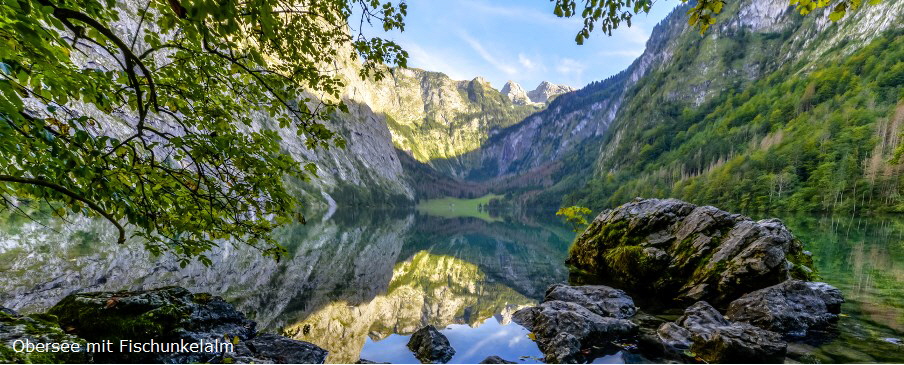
[[359, 284]]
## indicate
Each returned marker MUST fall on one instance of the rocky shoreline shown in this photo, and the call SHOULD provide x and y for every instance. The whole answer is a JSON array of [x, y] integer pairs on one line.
[[740, 291]]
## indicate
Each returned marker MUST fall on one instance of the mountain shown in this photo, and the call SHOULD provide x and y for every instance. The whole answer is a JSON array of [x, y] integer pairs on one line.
[[768, 109], [544, 92]]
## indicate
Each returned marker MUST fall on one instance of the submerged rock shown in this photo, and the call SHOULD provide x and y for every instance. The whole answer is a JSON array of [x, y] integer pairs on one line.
[[792, 307], [702, 332], [571, 332], [496, 360], [430, 346], [681, 251]]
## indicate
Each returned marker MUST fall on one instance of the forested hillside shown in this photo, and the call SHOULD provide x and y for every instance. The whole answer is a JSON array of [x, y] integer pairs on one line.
[[825, 139], [767, 110]]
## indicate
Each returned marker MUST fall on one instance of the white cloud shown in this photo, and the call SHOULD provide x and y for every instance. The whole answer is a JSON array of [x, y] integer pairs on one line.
[[486, 56], [530, 64], [568, 66]]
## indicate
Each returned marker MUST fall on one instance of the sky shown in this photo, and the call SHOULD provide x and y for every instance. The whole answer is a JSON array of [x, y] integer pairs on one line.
[[519, 40]]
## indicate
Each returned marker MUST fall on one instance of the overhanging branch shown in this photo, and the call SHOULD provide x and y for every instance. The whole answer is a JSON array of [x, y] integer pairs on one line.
[[63, 190]]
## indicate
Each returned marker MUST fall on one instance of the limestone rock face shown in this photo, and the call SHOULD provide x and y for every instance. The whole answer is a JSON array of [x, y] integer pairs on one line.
[[687, 252], [430, 346], [515, 93], [792, 307], [566, 331], [546, 91], [704, 332]]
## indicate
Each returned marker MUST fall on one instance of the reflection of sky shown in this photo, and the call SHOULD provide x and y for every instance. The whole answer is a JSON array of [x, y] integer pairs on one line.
[[472, 345]]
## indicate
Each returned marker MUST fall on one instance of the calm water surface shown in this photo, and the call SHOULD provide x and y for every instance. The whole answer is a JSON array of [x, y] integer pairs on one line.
[[359, 285]]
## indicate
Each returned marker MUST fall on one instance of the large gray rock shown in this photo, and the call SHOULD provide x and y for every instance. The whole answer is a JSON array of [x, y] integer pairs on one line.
[[430, 346], [599, 299], [792, 307], [174, 314], [685, 252], [702, 332], [564, 330], [37, 329], [267, 348]]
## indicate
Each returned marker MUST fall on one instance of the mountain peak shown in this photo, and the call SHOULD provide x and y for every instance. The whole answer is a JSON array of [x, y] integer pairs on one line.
[[546, 91], [515, 93]]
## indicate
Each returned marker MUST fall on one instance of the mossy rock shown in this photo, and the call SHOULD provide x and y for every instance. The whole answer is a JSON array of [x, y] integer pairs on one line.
[[684, 253], [167, 314], [36, 329]]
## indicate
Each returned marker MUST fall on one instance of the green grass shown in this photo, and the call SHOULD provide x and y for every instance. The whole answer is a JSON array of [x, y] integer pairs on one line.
[[457, 207]]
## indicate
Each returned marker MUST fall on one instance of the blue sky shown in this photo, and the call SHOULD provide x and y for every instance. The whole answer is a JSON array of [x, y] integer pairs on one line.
[[520, 40]]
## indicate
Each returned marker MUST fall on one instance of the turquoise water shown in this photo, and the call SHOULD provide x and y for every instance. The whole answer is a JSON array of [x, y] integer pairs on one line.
[[360, 284]]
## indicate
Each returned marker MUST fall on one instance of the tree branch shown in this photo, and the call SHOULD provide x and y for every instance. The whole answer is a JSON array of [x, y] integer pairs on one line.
[[73, 195]]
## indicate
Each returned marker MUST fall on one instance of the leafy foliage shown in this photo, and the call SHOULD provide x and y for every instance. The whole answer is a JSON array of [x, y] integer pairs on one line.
[[576, 216], [609, 14], [156, 129]]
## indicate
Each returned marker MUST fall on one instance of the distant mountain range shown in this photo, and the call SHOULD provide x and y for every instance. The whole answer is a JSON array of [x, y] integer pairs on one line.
[[768, 109]]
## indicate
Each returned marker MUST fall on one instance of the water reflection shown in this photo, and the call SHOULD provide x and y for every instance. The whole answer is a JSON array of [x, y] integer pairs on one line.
[[359, 284], [346, 281], [864, 257]]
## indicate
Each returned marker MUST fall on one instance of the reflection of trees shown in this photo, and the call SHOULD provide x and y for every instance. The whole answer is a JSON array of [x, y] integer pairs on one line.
[[405, 270], [864, 257], [426, 289], [525, 258]]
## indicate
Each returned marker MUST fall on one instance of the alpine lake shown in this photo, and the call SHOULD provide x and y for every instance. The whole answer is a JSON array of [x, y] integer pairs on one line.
[[358, 284]]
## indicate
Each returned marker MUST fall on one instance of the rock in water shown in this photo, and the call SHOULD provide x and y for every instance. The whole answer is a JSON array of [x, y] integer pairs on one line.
[[593, 317], [36, 329], [430, 346], [496, 360], [792, 307], [703, 332], [174, 314], [678, 250], [599, 299], [278, 349]]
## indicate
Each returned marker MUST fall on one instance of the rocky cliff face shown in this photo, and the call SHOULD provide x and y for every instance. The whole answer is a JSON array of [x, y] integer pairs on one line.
[[544, 92], [432, 117], [601, 128]]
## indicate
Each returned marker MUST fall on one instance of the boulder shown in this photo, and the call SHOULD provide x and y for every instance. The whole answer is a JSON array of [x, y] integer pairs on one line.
[[564, 330], [174, 314], [792, 307], [684, 252], [37, 329], [599, 299], [279, 350], [703, 333], [496, 360], [430, 346]]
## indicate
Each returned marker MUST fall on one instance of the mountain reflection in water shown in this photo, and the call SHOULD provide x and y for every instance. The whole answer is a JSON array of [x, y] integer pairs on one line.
[[346, 280], [359, 285]]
